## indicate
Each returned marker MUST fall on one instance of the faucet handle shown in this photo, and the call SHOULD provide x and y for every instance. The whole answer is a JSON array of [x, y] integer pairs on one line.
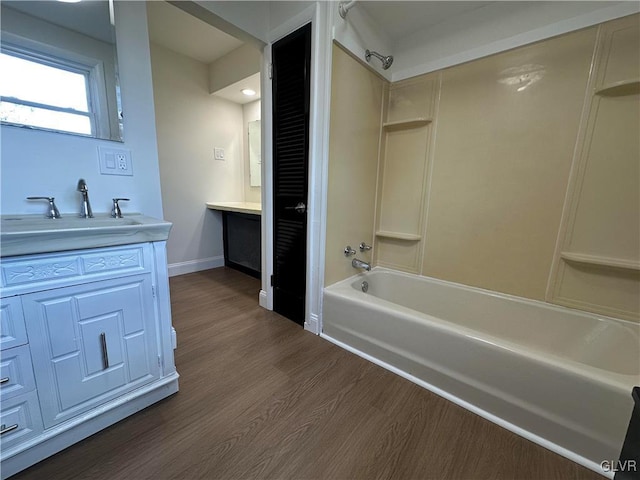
[[115, 211], [348, 251], [364, 247], [53, 211]]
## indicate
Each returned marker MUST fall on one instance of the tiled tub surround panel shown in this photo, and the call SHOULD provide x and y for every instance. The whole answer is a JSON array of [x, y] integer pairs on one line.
[[517, 173], [356, 114], [597, 264]]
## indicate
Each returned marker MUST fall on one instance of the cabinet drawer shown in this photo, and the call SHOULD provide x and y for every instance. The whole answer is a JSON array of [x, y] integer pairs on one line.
[[20, 419], [16, 372], [30, 273], [12, 328]]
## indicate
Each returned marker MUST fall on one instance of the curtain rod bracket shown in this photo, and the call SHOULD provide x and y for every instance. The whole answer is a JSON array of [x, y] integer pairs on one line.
[[344, 7]]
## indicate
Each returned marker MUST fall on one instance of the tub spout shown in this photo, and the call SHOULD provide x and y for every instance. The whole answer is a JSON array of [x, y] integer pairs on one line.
[[355, 263]]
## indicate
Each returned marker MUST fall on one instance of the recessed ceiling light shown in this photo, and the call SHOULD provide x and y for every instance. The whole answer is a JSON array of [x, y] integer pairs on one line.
[[248, 92], [69, 1]]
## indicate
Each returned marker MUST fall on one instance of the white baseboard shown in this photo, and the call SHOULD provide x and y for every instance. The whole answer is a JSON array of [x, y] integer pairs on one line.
[[312, 324], [262, 300], [191, 266]]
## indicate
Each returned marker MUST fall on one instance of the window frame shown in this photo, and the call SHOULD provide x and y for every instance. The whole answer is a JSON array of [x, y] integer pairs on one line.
[[92, 69]]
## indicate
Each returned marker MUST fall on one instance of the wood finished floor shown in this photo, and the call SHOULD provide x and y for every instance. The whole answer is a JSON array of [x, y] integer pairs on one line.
[[261, 398]]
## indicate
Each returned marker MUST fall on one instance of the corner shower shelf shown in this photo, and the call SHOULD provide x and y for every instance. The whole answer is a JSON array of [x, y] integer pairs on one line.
[[619, 89], [409, 123], [409, 237], [599, 261]]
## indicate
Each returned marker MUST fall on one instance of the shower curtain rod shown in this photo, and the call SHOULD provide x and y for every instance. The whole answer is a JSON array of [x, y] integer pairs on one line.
[[344, 7]]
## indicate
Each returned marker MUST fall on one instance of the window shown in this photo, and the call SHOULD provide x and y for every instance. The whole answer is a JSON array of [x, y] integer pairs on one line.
[[44, 92]]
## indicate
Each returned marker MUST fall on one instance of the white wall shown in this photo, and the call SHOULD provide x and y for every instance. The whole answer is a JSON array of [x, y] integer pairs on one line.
[[357, 33], [190, 124], [44, 163], [234, 66], [282, 12], [250, 16], [250, 113]]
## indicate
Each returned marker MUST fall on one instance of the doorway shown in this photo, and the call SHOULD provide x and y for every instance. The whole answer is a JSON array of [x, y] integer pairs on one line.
[[291, 59]]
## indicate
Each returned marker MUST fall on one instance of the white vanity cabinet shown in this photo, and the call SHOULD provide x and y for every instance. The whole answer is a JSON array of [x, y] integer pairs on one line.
[[86, 340], [91, 343], [20, 417]]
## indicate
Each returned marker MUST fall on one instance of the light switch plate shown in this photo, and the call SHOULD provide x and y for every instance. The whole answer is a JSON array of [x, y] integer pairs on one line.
[[218, 153], [115, 161]]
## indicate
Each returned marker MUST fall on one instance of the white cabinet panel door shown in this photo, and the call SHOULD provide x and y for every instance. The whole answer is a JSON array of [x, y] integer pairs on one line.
[[91, 343]]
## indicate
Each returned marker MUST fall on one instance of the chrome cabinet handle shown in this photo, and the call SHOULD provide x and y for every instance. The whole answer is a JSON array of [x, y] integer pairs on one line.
[[105, 353], [4, 380], [4, 429], [299, 208]]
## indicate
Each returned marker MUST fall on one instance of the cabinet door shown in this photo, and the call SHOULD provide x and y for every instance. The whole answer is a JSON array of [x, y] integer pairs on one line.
[[91, 343]]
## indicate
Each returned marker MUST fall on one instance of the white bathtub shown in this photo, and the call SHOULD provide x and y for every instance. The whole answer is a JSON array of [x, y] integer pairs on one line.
[[560, 377]]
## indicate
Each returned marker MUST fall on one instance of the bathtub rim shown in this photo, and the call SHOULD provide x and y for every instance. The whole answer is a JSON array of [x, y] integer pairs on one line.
[[485, 291], [562, 451], [622, 382]]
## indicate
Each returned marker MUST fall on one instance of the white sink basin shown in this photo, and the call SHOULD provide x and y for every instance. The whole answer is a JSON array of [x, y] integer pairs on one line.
[[26, 234]]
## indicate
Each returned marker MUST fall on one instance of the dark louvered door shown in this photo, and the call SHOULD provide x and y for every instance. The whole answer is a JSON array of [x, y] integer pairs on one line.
[[291, 59]]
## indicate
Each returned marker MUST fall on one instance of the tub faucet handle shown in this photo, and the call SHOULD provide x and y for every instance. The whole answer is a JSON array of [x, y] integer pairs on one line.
[[348, 251], [52, 210], [364, 247]]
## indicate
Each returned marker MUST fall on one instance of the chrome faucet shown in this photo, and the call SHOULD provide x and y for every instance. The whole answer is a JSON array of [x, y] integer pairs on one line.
[[355, 263], [116, 212], [85, 208], [52, 211]]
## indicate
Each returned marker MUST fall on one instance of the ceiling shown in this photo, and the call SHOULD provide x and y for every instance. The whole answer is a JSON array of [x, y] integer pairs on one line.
[[399, 19], [234, 93], [183, 33], [89, 18]]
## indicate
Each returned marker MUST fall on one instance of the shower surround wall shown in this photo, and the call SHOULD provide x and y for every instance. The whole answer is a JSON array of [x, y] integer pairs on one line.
[[476, 162], [356, 112]]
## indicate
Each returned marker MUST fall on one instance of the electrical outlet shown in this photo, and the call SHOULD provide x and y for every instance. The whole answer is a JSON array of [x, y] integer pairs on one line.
[[218, 153], [115, 161]]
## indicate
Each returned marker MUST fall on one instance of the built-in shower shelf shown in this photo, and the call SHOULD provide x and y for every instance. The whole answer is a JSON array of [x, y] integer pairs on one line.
[[409, 237], [409, 123], [600, 261], [619, 89]]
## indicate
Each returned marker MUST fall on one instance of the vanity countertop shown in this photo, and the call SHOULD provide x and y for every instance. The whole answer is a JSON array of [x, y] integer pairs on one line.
[[239, 207], [27, 234]]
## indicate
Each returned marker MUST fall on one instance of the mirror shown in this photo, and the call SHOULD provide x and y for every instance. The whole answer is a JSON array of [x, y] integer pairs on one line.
[[63, 68], [255, 154]]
